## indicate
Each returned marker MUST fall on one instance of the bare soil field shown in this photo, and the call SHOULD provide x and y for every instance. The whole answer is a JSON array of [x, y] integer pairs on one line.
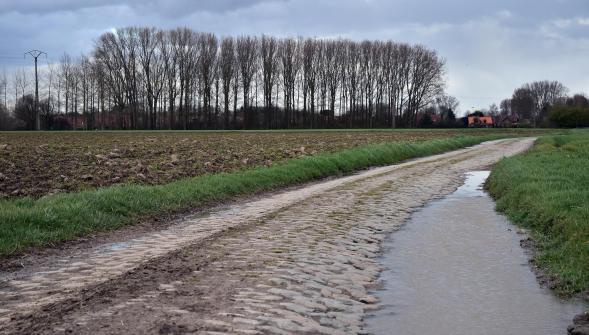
[[37, 164]]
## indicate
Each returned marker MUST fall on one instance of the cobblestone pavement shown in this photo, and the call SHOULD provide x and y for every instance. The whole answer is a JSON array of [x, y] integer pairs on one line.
[[300, 261]]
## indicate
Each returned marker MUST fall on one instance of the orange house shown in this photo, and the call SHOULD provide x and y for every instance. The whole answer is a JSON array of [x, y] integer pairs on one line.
[[480, 121]]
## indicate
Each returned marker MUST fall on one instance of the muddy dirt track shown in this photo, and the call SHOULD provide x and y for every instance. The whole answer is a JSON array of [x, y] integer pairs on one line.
[[299, 261]]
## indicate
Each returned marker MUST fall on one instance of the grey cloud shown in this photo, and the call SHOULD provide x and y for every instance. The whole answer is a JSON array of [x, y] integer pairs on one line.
[[49, 6], [175, 8], [171, 7], [490, 46]]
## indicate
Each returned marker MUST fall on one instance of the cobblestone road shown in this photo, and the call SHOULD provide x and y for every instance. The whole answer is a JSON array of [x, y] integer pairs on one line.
[[300, 261]]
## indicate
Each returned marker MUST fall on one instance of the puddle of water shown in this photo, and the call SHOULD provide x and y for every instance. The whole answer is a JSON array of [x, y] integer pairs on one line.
[[457, 268], [473, 185], [116, 246]]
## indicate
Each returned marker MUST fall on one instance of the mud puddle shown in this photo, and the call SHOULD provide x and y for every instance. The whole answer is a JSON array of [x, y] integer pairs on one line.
[[457, 268]]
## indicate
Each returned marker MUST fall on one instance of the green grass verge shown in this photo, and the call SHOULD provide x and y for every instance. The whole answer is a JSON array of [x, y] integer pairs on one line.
[[28, 222], [547, 191]]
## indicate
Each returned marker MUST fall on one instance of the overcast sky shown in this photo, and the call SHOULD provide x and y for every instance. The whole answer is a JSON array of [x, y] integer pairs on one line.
[[490, 46]]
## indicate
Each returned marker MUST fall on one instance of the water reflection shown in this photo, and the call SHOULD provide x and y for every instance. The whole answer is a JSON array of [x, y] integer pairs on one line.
[[457, 268]]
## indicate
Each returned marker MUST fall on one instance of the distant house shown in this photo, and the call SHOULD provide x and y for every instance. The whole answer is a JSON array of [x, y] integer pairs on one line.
[[480, 122], [508, 121]]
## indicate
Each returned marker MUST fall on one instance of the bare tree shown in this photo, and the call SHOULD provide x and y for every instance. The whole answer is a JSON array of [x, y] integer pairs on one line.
[[425, 83], [505, 107], [236, 81], [353, 76], [207, 64], [148, 53], [86, 87], [269, 50], [186, 50], [116, 54], [446, 106], [310, 70], [3, 88], [50, 81], [544, 94], [493, 110], [20, 83], [333, 56], [522, 103], [170, 73], [290, 57], [247, 56], [227, 69]]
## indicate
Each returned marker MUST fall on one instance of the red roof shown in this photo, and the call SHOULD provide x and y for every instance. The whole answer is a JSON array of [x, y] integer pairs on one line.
[[475, 120]]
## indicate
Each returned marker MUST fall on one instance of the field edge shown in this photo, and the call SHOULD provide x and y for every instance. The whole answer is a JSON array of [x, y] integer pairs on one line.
[[545, 191]]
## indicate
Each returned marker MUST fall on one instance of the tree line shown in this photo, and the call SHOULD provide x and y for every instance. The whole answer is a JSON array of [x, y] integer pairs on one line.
[[148, 78], [544, 104]]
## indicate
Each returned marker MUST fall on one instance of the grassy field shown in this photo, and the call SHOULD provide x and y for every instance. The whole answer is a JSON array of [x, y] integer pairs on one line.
[[41, 163], [29, 222], [547, 191]]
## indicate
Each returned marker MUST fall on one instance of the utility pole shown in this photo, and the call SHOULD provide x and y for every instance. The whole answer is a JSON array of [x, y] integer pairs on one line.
[[35, 54]]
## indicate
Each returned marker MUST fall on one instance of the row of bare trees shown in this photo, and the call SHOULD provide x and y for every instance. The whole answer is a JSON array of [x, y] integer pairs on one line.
[[532, 102], [146, 78]]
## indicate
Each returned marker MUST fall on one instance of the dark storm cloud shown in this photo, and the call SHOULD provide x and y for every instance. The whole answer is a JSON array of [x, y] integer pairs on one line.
[[490, 46]]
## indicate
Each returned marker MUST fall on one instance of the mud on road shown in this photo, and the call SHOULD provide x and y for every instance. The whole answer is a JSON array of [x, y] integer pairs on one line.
[[301, 261]]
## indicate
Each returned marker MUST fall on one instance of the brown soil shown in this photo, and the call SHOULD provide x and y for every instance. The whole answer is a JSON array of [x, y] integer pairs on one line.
[[37, 164]]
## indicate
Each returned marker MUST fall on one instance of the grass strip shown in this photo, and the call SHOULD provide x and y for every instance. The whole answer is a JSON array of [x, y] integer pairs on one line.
[[27, 222], [547, 191]]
